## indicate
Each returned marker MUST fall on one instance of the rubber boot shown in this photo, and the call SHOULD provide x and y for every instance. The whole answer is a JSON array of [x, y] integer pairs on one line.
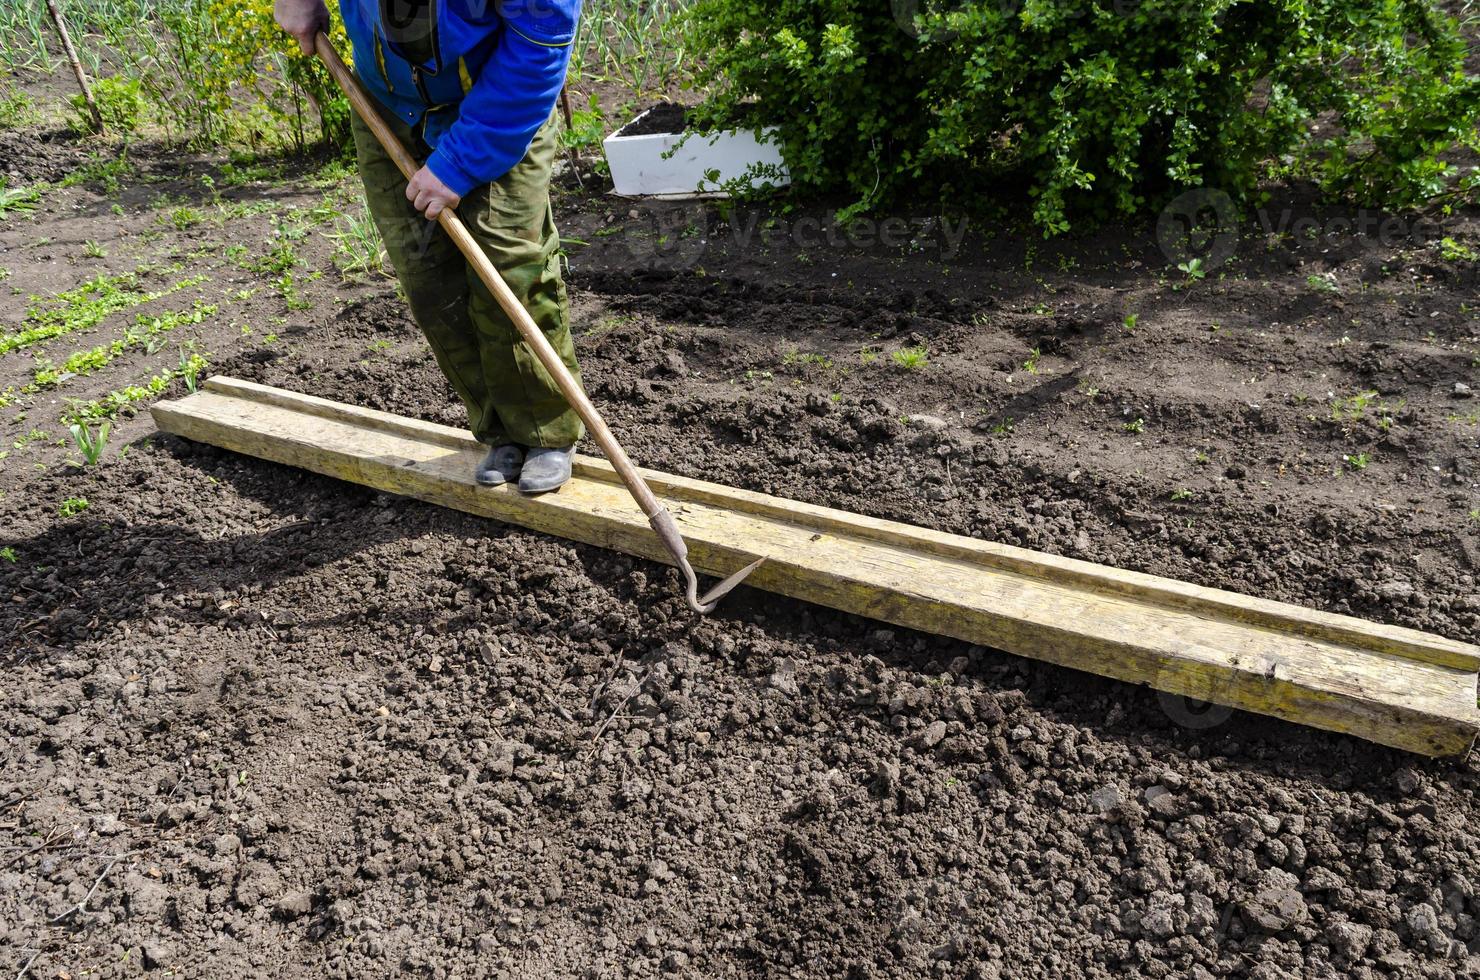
[[502, 465], [546, 469]]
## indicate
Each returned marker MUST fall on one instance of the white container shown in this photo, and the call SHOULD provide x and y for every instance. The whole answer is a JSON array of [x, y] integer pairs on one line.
[[698, 168]]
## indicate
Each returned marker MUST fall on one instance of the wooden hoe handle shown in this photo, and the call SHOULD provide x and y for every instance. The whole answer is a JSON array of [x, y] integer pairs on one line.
[[662, 522]]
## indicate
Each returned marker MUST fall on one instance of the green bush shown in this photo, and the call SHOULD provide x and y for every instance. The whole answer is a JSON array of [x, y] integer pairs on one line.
[[1097, 108], [120, 103]]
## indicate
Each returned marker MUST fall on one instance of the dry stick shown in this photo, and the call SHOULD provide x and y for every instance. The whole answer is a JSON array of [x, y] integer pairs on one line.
[[559, 708], [595, 739], [575, 161], [82, 905], [49, 842], [92, 105]]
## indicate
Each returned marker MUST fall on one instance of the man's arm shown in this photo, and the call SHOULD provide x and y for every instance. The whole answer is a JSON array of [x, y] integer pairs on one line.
[[512, 97], [303, 19]]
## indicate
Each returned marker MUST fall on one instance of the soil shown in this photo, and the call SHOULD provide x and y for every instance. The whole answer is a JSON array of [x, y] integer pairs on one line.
[[672, 118], [665, 117], [261, 723]]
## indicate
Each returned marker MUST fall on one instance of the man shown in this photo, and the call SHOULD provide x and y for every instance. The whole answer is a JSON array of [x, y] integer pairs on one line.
[[469, 87]]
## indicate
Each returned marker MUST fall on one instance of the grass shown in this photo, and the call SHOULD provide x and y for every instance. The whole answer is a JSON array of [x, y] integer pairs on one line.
[[242, 169], [585, 132], [185, 217], [83, 307], [1323, 283], [1453, 251], [287, 288], [189, 370], [1353, 407], [111, 404], [107, 171], [1358, 461], [18, 110], [796, 359], [911, 358], [15, 200], [276, 261], [358, 250], [609, 323], [146, 333], [35, 435]]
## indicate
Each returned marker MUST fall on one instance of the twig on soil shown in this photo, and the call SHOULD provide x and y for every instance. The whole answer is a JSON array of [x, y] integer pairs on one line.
[[15, 801], [616, 711], [27, 968], [82, 905], [559, 708], [178, 783], [44, 845]]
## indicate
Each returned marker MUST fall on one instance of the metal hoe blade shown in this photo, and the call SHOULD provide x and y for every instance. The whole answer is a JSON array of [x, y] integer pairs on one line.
[[706, 603], [666, 528]]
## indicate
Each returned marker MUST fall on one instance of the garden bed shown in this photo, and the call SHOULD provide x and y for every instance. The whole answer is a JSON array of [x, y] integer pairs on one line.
[[287, 725]]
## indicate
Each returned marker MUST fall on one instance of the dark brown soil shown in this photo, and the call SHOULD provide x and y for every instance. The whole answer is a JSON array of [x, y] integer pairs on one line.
[[665, 117], [258, 722]]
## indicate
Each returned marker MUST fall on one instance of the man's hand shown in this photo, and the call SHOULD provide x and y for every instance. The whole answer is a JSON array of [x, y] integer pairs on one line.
[[303, 19], [429, 194]]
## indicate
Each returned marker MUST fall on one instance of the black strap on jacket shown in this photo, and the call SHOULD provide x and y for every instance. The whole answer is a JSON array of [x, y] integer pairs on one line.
[[411, 25]]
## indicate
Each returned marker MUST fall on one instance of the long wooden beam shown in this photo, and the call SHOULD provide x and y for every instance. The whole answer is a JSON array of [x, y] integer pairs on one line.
[[1390, 685]]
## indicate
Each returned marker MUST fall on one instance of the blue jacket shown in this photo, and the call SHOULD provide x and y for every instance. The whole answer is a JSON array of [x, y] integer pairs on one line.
[[497, 72]]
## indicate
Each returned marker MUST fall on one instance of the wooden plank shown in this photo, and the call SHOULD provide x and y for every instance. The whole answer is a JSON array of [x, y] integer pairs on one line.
[[1395, 686]]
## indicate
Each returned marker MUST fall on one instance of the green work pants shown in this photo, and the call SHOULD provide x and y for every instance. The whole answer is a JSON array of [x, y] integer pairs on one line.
[[509, 395]]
